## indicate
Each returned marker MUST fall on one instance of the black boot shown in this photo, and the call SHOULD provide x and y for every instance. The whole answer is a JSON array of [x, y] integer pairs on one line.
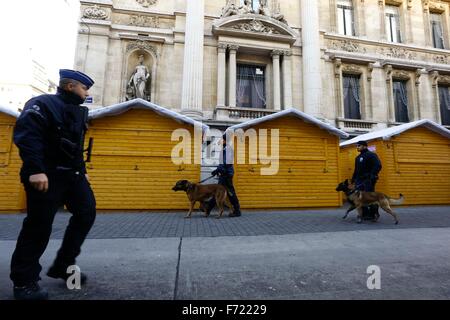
[[32, 291], [235, 214], [61, 273]]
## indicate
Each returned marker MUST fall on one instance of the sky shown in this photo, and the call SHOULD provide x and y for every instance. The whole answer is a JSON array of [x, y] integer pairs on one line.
[[46, 30]]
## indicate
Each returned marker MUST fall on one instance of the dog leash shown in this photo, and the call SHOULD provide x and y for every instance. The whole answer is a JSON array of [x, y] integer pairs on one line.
[[206, 179]]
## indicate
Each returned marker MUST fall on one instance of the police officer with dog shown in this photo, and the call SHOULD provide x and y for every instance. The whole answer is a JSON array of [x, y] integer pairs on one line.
[[225, 171], [50, 136], [365, 176]]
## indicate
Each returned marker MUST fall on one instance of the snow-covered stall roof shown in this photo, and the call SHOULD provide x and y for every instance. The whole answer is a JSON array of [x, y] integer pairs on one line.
[[120, 108], [9, 111], [388, 133], [291, 112]]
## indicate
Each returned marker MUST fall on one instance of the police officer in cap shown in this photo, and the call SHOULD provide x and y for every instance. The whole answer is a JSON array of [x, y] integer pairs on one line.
[[50, 136], [365, 176], [225, 171]]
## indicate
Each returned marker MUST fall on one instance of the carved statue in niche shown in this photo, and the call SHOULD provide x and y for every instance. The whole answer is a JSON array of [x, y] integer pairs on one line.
[[139, 82]]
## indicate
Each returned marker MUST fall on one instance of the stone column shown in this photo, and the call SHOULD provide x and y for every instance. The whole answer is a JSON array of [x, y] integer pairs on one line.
[[192, 93], [312, 81], [276, 80], [232, 76], [221, 76], [287, 80]]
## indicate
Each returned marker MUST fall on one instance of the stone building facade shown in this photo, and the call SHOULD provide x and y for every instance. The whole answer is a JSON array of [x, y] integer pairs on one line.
[[357, 64]]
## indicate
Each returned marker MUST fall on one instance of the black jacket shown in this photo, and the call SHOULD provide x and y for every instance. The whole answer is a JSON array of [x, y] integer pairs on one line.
[[226, 160], [367, 166], [49, 134]]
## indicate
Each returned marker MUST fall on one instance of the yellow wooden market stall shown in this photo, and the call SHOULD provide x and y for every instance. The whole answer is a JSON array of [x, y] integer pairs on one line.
[[415, 158], [308, 168], [12, 194], [131, 166]]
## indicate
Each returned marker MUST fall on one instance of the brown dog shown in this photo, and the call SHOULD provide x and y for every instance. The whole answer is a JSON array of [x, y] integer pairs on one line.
[[360, 199], [197, 192]]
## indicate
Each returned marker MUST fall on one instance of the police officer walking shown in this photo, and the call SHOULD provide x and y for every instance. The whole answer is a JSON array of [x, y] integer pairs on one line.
[[225, 171], [365, 176], [50, 136]]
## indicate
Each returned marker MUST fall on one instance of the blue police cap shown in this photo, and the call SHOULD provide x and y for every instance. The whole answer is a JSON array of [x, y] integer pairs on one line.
[[76, 75], [362, 143]]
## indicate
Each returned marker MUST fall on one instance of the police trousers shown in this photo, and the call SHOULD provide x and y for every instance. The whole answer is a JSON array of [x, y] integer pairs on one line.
[[227, 182], [368, 185], [65, 188]]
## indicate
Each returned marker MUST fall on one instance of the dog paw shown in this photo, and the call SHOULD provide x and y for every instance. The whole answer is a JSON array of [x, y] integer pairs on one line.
[[187, 217]]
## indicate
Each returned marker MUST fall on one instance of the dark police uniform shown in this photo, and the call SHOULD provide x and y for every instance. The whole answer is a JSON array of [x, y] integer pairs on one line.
[[225, 171], [50, 136], [365, 176]]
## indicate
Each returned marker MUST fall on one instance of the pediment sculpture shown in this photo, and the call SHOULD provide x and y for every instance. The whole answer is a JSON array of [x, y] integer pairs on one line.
[[231, 9]]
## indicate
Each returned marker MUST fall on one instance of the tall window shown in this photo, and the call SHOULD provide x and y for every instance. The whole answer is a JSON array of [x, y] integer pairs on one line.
[[401, 101], [437, 31], [251, 91], [393, 24], [346, 25], [444, 101], [352, 97]]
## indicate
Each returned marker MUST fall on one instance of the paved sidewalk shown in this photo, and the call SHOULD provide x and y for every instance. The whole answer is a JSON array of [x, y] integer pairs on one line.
[[311, 254], [163, 225]]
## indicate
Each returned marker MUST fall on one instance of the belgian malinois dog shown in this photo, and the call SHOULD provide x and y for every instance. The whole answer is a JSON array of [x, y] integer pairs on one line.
[[359, 199], [197, 192]]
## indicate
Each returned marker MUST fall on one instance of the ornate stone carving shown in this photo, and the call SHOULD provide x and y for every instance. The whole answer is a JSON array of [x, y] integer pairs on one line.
[[147, 3], [352, 69], [434, 5], [398, 53], [231, 9], [444, 80], [337, 68], [370, 71], [418, 75], [263, 8], [144, 21], [277, 15], [439, 79], [277, 53], [143, 46], [441, 59], [402, 75], [347, 45], [255, 26], [95, 13], [222, 47], [388, 69], [233, 47]]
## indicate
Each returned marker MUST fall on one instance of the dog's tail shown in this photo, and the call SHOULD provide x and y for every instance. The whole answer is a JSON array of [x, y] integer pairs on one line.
[[398, 201]]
